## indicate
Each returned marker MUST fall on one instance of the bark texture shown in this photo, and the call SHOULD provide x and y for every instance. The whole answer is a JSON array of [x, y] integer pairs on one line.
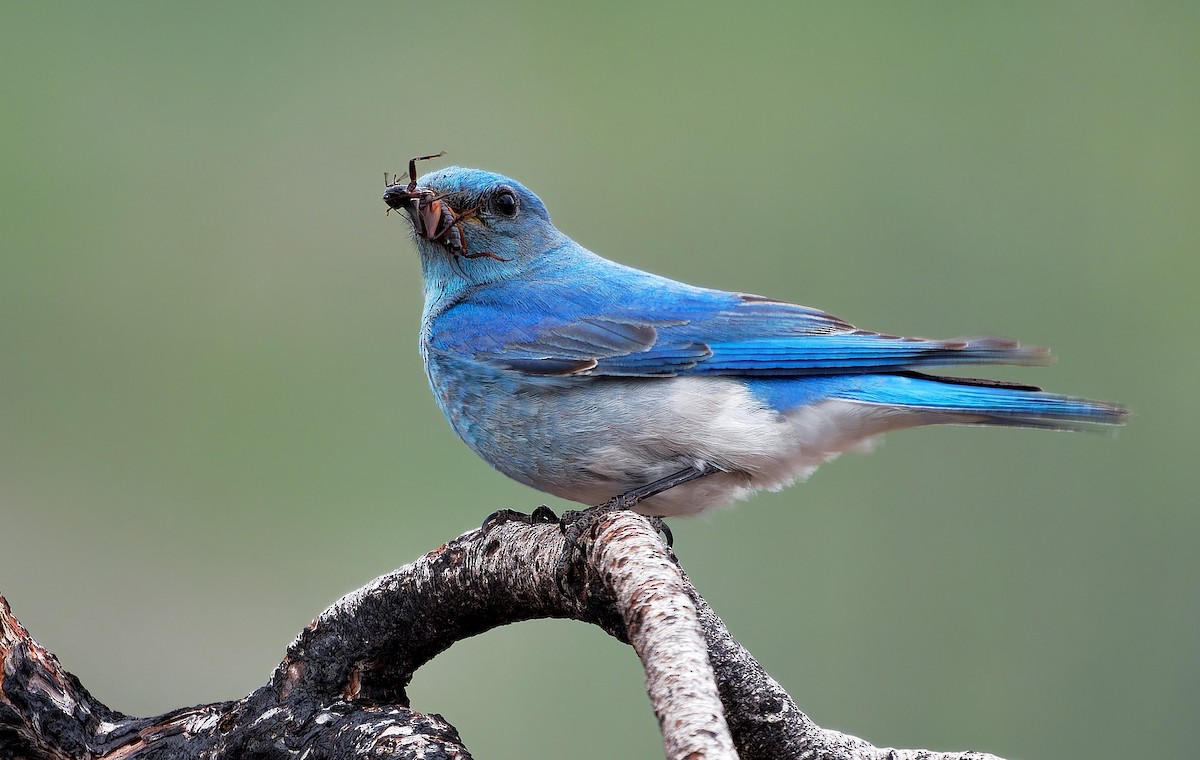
[[340, 691]]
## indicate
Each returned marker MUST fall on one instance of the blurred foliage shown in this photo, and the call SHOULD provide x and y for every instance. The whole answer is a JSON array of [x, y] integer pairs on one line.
[[213, 418]]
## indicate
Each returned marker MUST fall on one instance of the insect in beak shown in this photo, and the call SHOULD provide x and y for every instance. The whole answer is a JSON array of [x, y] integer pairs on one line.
[[401, 197], [432, 217]]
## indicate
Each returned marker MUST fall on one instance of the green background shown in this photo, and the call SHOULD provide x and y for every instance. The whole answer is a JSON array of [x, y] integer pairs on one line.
[[214, 421]]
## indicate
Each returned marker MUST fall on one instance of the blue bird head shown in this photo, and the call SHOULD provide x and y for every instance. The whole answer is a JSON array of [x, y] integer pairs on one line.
[[473, 227]]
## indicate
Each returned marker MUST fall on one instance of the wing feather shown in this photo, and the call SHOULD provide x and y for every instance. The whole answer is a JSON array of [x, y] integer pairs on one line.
[[660, 328]]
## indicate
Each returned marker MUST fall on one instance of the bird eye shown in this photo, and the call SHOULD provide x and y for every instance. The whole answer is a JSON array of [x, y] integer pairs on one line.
[[504, 202]]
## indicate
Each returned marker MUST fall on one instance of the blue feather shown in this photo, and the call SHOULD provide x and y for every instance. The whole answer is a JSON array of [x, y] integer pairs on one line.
[[976, 402]]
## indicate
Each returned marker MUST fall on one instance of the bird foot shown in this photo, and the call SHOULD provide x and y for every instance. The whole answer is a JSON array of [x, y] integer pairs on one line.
[[577, 524], [541, 515]]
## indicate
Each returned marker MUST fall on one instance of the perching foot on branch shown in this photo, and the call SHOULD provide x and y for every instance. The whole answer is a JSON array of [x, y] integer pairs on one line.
[[541, 514], [576, 524]]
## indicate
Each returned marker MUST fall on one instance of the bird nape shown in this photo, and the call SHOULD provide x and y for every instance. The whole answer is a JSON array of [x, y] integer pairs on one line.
[[591, 380]]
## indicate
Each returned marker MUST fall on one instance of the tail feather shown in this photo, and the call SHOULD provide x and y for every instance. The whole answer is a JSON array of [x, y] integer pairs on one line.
[[970, 401]]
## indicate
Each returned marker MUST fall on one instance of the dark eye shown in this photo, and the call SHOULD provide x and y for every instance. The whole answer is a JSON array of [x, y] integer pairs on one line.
[[504, 202]]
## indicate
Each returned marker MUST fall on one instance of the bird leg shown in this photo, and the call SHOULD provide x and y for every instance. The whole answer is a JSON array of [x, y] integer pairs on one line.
[[574, 524], [630, 499]]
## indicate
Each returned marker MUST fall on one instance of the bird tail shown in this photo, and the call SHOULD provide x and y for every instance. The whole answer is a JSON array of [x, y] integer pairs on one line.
[[970, 401]]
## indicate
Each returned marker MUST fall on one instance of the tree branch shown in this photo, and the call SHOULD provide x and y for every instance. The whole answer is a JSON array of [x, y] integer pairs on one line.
[[340, 689]]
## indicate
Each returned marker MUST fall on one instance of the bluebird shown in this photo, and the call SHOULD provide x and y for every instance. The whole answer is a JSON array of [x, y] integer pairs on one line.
[[594, 381]]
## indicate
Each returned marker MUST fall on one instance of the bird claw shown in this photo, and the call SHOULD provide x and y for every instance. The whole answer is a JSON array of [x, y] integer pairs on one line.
[[576, 524], [660, 526], [541, 515], [573, 524]]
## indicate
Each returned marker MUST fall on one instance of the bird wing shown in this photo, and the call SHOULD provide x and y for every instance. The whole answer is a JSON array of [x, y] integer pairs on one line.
[[654, 327]]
